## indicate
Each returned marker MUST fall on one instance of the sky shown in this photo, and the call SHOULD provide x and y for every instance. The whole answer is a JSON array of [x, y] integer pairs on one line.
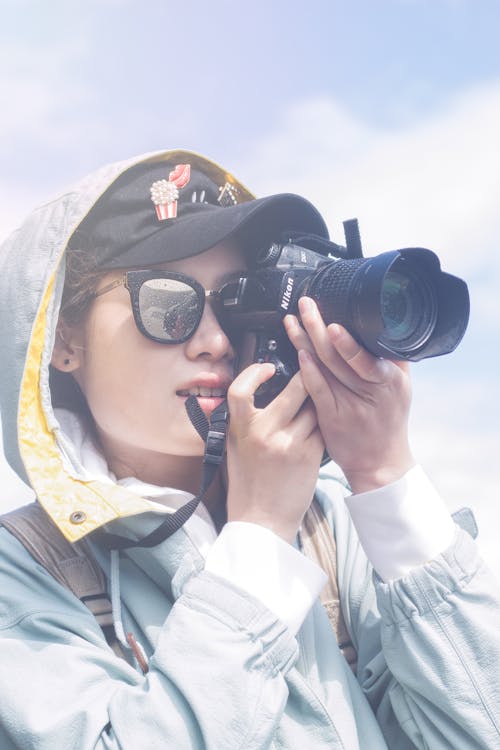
[[384, 110]]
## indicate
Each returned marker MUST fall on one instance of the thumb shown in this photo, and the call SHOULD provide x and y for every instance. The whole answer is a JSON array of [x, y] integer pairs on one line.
[[240, 395]]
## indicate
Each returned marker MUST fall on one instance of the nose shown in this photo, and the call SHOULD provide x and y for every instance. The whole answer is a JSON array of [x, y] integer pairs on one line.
[[209, 340]]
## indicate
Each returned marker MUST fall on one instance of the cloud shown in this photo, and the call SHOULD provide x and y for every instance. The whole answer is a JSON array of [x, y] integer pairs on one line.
[[436, 182], [460, 453]]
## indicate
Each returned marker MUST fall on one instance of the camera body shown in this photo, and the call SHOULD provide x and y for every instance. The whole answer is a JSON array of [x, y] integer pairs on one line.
[[398, 305]]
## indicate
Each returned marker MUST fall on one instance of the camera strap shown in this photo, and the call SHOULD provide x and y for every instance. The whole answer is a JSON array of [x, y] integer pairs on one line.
[[318, 244], [213, 434]]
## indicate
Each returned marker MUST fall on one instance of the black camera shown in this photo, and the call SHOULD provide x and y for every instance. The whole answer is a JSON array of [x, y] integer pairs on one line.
[[398, 305]]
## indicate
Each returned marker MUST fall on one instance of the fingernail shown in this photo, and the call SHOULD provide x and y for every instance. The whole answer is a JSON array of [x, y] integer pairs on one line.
[[335, 329], [304, 357], [305, 304]]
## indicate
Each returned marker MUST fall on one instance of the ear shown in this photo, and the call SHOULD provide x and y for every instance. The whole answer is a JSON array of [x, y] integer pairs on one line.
[[67, 355]]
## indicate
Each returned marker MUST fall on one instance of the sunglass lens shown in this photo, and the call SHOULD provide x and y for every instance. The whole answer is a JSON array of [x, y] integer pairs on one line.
[[169, 308]]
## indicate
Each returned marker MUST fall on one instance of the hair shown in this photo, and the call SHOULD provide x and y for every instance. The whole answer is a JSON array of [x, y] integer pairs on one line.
[[81, 280], [82, 276]]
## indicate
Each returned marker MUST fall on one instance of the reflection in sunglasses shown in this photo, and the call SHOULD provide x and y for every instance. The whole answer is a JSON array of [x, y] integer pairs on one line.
[[169, 309]]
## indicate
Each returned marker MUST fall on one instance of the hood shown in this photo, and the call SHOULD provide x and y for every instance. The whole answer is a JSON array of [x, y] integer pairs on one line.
[[31, 283]]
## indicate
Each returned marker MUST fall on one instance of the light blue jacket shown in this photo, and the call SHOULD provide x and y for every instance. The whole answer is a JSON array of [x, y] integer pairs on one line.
[[225, 673]]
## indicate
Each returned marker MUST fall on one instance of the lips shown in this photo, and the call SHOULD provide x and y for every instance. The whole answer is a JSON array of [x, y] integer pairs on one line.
[[209, 389]]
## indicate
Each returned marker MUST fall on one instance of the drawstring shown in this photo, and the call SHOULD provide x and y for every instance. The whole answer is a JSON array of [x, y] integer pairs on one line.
[[115, 599], [127, 642]]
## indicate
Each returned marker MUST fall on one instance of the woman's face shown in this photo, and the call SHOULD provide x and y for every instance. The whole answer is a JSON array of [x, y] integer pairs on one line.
[[136, 388]]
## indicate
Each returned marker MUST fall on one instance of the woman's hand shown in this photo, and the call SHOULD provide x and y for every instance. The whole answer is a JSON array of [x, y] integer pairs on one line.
[[362, 402], [273, 454]]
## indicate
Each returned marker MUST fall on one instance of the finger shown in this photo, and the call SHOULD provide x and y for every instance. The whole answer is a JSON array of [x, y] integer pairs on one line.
[[306, 421], [304, 431], [403, 365], [297, 335], [287, 404], [241, 392], [321, 340], [313, 445], [319, 388], [370, 368]]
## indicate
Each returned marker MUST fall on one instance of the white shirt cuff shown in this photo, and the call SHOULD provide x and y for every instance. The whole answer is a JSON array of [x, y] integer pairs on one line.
[[260, 562], [403, 525]]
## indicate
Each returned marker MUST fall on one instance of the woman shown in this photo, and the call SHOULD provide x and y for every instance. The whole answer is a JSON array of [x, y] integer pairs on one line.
[[116, 327]]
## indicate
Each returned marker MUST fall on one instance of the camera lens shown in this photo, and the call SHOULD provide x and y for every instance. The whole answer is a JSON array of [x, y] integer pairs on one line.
[[389, 302], [408, 307]]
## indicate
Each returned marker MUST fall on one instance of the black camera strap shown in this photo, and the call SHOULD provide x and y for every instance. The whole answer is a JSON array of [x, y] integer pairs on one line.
[[318, 244], [213, 434]]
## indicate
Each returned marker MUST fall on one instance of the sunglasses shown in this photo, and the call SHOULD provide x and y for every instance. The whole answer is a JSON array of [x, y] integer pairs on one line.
[[167, 306]]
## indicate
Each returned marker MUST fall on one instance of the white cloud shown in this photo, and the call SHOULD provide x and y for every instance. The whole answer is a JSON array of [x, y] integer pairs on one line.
[[435, 183], [461, 456]]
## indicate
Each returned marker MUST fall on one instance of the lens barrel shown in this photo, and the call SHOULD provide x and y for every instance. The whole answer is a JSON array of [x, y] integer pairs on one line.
[[398, 304]]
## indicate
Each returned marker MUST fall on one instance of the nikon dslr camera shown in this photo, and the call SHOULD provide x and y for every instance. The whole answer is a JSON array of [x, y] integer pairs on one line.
[[398, 305]]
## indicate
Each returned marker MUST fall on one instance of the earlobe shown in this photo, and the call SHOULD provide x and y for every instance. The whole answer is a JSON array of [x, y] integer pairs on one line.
[[67, 352]]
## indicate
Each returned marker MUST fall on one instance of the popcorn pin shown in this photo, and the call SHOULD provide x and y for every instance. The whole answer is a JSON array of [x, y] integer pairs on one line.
[[165, 193]]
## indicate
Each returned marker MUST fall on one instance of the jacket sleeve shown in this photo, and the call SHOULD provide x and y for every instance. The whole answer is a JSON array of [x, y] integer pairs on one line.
[[216, 680], [440, 633], [428, 643]]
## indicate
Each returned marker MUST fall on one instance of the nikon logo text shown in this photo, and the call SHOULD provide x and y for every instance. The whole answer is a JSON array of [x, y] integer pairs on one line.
[[287, 294]]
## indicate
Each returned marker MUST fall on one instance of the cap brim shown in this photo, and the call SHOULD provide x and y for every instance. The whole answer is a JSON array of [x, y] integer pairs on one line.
[[254, 223]]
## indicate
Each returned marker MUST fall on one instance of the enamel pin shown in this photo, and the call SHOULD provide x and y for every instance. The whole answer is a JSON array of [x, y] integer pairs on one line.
[[228, 195], [165, 193]]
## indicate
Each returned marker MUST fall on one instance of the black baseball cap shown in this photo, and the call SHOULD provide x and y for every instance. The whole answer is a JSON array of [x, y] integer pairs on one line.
[[178, 204]]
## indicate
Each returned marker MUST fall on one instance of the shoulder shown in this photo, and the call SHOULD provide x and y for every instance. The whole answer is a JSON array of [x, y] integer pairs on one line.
[[15, 560], [27, 588]]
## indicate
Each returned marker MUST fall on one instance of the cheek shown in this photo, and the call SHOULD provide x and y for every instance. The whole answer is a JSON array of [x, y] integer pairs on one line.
[[113, 358], [130, 383], [110, 384]]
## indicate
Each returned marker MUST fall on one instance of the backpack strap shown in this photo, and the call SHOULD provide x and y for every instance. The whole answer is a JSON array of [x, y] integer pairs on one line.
[[318, 543], [72, 564]]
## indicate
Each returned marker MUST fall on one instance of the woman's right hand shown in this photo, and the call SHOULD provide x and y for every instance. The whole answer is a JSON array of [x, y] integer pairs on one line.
[[273, 454]]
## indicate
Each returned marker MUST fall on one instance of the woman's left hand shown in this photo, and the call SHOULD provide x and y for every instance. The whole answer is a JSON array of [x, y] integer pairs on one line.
[[362, 402]]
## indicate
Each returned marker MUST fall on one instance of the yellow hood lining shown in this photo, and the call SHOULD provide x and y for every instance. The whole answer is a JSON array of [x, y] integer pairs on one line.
[[77, 506]]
